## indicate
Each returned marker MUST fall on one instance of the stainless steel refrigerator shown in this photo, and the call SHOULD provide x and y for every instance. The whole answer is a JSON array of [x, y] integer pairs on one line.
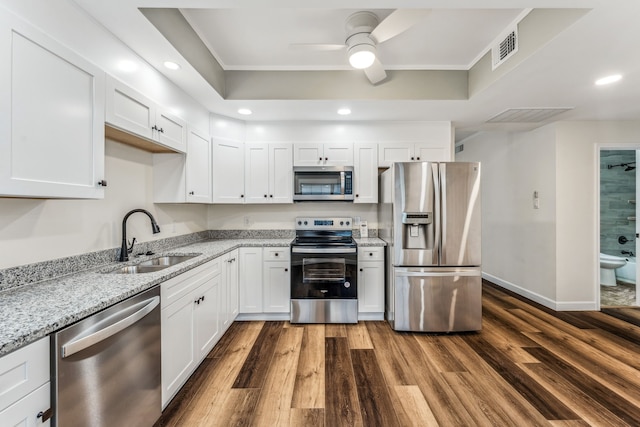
[[429, 216]]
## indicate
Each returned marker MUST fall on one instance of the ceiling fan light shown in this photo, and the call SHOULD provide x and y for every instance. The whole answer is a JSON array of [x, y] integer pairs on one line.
[[362, 56]]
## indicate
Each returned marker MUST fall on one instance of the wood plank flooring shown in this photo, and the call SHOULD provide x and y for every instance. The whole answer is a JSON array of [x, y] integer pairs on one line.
[[529, 366]]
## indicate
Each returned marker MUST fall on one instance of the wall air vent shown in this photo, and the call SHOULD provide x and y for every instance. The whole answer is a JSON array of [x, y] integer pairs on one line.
[[506, 47], [526, 115], [459, 148]]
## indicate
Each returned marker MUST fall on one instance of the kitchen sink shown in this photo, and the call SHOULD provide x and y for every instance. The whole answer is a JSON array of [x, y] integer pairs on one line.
[[166, 261], [154, 264]]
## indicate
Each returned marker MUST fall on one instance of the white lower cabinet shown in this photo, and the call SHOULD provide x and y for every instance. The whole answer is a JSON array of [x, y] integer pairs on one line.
[[371, 280], [191, 323], [250, 280], [265, 281], [276, 280], [25, 387], [229, 266]]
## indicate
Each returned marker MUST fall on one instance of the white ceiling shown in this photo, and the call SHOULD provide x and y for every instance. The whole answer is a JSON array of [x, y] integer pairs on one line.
[[259, 39], [247, 35]]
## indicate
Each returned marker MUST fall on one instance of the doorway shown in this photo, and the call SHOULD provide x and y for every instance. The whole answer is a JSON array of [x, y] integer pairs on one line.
[[618, 226]]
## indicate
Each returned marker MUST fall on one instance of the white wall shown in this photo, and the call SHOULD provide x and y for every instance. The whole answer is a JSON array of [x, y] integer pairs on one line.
[[518, 241], [35, 230]]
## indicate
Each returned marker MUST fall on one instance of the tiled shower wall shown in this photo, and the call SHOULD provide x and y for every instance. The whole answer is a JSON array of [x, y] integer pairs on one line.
[[617, 189]]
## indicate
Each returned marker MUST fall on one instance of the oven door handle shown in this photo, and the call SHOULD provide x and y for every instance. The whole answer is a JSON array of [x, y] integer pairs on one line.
[[109, 327], [297, 250]]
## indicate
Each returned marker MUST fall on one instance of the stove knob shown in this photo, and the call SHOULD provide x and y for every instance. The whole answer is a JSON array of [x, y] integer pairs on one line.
[[299, 222], [341, 222], [348, 223], [347, 284], [305, 223]]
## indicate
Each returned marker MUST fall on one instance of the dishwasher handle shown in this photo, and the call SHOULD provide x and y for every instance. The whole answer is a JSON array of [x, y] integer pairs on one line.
[[83, 341]]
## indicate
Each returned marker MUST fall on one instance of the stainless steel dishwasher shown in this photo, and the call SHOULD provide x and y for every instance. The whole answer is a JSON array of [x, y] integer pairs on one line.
[[107, 366]]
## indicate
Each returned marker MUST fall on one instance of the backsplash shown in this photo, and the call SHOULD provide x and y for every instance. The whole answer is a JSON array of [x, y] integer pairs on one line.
[[32, 273], [617, 188]]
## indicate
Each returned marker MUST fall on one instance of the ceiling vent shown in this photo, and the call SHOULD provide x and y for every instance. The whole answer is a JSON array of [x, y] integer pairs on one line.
[[504, 48], [527, 115]]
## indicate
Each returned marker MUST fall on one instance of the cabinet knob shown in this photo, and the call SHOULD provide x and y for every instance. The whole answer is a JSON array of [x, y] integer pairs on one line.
[[265, 195], [361, 270], [191, 193], [326, 159], [270, 195], [161, 130], [45, 415], [276, 254], [286, 269], [241, 196], [418, 158], [370, 253], [412, 158], [357, 195], [102, 183], [320, 159]]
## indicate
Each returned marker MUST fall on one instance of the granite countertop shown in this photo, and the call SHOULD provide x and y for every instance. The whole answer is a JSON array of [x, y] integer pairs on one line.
[[32, 311]]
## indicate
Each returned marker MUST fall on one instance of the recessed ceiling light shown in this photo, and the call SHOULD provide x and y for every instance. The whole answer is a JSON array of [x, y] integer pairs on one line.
[[172, 65], [244, 111], [608, 80], [344, 111]]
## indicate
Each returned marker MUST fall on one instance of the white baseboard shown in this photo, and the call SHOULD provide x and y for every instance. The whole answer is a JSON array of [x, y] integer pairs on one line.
[[263, 316], [547, 302]]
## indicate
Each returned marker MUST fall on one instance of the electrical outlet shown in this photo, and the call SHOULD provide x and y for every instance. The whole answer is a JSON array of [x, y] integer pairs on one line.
[[536, 200], [247, 221]]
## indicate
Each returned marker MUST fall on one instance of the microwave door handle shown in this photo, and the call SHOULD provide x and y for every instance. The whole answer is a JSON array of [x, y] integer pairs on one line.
[[342, 182]]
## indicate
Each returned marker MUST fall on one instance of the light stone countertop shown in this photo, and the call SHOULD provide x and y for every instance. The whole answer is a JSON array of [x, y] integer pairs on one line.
[[30, 312]]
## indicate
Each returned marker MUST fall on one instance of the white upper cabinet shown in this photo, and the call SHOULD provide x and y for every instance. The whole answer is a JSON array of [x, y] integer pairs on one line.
[[52, 117], [323, 154], [198, 168], [390, 152], [131, 111], [268, 173], [228, 171], [365, 181]]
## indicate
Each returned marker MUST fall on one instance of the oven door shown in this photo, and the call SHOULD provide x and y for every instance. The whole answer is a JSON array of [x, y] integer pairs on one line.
[[323, 273]]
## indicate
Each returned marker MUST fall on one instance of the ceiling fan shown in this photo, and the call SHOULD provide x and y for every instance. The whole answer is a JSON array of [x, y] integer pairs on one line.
[[364, 32]]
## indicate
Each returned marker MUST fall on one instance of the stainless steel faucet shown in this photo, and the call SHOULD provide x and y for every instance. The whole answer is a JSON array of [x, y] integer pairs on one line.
[[125, 250]]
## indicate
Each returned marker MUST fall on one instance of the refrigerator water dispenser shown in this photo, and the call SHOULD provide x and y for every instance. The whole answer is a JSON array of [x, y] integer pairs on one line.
[[417, 230]]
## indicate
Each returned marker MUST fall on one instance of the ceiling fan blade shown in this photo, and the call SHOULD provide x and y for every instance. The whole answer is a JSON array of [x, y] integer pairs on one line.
[[316, 46], [398, 22], [375, 73]]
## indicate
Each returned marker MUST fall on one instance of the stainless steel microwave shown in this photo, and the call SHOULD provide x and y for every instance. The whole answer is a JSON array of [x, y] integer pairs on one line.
[[322, 183]]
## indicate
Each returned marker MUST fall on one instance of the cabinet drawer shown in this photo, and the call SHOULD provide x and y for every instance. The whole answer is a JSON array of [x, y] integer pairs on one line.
[[23, 371], [276, 254], [370, 254], [176, 287]]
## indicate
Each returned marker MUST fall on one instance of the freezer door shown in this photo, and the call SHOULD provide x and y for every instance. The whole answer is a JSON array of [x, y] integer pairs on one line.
[[437, 300], [460, 214]]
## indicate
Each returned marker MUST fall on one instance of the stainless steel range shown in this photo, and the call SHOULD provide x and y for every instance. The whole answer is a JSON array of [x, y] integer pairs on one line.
[[324, 270]]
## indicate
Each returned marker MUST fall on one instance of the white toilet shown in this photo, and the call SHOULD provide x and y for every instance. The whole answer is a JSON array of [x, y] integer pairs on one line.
[[608, 265]]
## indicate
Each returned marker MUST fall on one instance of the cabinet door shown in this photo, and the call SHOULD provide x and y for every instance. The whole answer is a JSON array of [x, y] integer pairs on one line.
[[390, 152], [198, 168], [178, 346], [228, 171], [25, 411], [338, 154], [256, 173], [431, 153], [277, 288], [171, 130], [280, 173], [52, 109], [250, 278], [308, 154], [366, 173], [208, 302], [370, 287], [232, 282], [129, 110]]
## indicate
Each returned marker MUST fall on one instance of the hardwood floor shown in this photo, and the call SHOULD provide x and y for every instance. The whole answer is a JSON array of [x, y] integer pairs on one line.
[[529, 366]]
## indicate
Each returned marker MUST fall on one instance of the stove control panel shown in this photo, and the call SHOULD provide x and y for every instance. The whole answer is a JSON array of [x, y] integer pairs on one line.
[[337, 223]]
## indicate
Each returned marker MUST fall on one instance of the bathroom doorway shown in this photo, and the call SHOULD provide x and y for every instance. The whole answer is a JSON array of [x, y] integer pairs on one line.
[[618, 227]]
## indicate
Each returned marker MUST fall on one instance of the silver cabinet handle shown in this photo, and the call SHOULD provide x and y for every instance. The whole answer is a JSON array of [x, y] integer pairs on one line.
[[83, 341]]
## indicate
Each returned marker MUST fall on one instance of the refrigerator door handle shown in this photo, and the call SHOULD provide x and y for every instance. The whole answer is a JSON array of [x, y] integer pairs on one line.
[[466, 273], [439, 209]]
